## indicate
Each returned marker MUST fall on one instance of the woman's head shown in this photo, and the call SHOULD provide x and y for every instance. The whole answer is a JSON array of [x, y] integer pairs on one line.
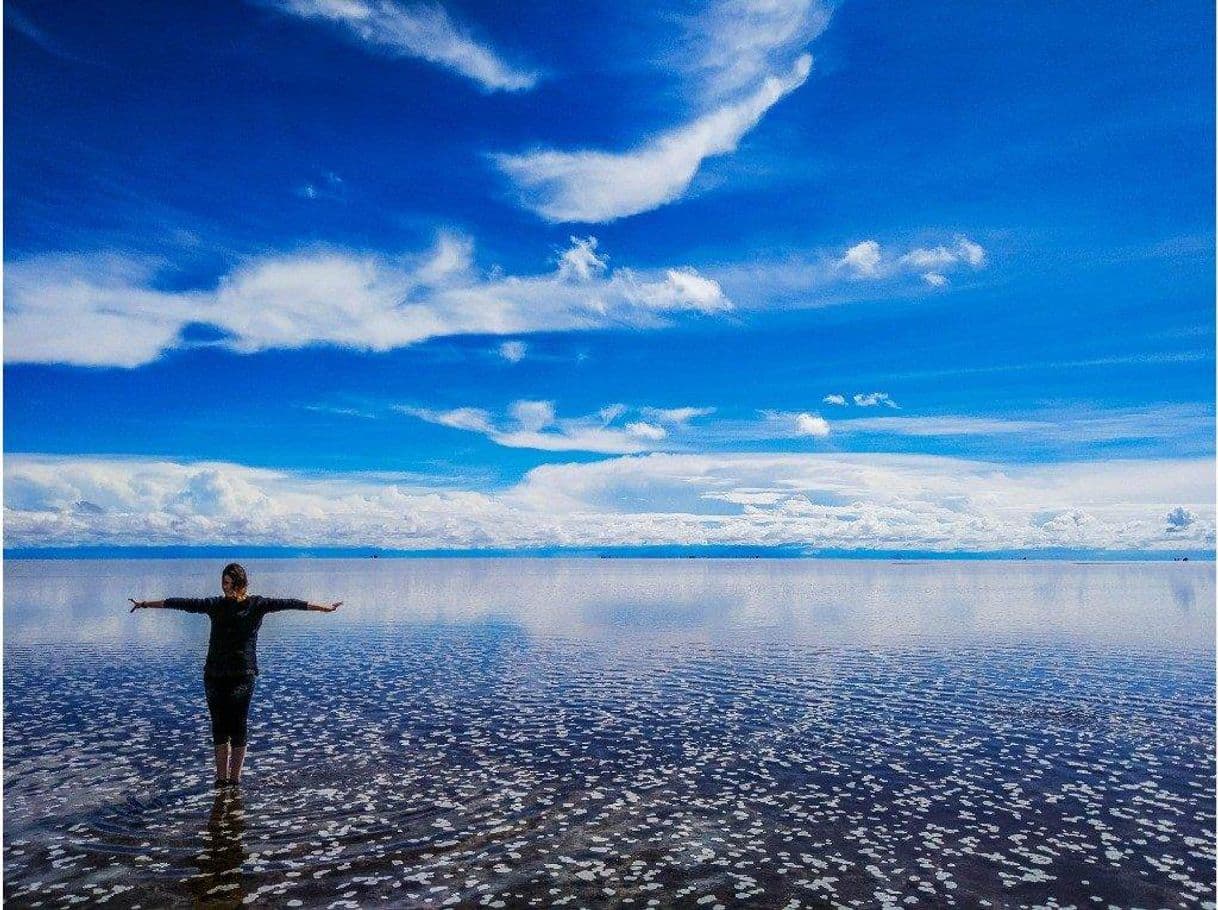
[[233, 580]]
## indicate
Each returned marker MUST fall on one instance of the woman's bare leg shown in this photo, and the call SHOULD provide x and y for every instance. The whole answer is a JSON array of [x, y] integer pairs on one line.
[[236, 758], [222, 760]]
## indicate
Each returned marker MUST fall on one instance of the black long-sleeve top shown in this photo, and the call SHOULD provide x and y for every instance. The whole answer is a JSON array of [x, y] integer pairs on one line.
[[232, 648]]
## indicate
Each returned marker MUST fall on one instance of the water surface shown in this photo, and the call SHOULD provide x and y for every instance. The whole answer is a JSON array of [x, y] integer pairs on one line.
[[706, 733]]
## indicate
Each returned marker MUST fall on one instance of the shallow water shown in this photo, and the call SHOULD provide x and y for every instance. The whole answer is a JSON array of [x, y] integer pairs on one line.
[[695, 733]]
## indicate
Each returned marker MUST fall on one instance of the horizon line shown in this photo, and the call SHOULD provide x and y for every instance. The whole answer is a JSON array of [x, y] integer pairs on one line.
[[789, 552]]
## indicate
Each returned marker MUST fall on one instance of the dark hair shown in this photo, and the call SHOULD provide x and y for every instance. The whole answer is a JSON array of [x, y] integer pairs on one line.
[[234, 573]]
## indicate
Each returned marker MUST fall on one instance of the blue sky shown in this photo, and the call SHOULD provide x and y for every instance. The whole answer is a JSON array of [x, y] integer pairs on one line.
[[851, 277]]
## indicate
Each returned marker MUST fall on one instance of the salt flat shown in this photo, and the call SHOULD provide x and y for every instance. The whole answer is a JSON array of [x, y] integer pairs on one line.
[[621, 733]]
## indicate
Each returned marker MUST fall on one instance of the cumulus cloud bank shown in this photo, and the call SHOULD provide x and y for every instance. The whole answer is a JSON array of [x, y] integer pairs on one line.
[[596, 186], [1180, 519], [422, 31], [835, 501], [109, 311]]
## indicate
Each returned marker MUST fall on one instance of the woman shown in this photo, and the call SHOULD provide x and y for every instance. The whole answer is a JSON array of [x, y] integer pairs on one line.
[[232, 660]]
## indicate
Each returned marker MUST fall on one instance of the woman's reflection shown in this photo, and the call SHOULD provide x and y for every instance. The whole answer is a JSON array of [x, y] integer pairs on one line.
[[218, 883]]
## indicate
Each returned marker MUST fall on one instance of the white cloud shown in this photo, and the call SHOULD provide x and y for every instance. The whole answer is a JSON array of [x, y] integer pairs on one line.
[[735, 44], [1185, 425], [811, 425], [677, 416], [740, 57], [941, 257], [91, 311], [942, 426], [532, 415], [108, 311], [862, 259], [834, 399], [536, 425], [580, 262], [513, 351], [449, 259], [596, 186], [1070, 528], [855, 502], [611, 412], [329, 187], [474, 419], [872, 399], [423, 31], [864, 270], [572, 437], [646, 430], [685, 287], [970, 252], [1180, 519], [774, 425], [868, 260]]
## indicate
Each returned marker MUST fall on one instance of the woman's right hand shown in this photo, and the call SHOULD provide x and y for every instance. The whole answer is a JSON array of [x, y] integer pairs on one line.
[[135, 604]]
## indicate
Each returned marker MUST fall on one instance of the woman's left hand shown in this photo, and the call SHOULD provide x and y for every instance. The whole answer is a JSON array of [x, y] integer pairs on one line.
[[332, 607]]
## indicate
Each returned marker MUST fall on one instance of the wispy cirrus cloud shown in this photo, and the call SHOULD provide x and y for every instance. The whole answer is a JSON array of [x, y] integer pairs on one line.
[[854, 502], [828, 276], [422, 31], [1071, 432], [16, 19], [677, 416], [622, 429], [112, 311], [738, 57], [595, 186], [943, 426], [328, 187], [726, 433], [735, 44], [1177, 422], [536, 425]]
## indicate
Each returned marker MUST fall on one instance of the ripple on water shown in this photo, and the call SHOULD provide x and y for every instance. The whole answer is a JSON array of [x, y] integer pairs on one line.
[[485, 768]]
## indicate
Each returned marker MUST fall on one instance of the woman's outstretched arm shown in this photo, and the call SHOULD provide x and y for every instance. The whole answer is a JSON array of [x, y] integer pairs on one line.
[[189, 604], [276, 604]]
